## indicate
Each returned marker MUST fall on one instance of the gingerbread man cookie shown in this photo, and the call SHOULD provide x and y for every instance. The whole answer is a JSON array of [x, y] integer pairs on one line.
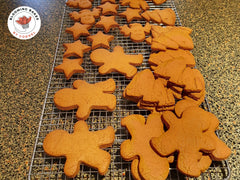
[[85, 97], [81, 147], [221, 152], [136, 31], [150, 166], [116, 61], [187, 136]]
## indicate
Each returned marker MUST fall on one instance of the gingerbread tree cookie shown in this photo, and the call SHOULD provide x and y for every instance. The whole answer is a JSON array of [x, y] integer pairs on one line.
[[111, 1], [170, 37], [85, 97], [148, 92], [116, 61], [78, 30], [136, 31], [166, 16], [85, 16], [81, 147], [150, 165], [156, 59], [75, 49], [187, 136], [158, 2], [70, 67]]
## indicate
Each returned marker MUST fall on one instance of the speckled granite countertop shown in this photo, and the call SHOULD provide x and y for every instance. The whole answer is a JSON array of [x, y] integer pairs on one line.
[[25, 71]]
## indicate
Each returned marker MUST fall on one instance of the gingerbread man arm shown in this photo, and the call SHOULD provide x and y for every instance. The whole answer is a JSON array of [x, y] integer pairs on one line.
[[72, 166], [127, 150], [96, 12], [99, 160], [135, 59], [147, 28], [75, 16], [107, 86], [64, 99], [105, 137], [164, 144], [125, 30]]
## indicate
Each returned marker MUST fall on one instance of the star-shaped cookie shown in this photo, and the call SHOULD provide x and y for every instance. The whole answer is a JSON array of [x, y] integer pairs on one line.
[[75, 49], [78, 30], [107, 22], [70, 67], [116, 61], [108, 8], [100, 40], [131, 14]]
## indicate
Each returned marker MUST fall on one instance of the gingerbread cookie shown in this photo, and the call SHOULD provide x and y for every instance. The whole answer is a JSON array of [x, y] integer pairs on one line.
[[81, 147], [100, 40], [187, 136], [221, 152], [169, 37], [75, 49], [148, 92], [85, 97], [136, 31], [78, 30], [111, 1], [150, 165], [136, 4], [70, 67], [108, 8], [107, 22], [158, 2], [85, 16], [157, 59], [82, 4], [166, 16], [116, 61], [131, 14]]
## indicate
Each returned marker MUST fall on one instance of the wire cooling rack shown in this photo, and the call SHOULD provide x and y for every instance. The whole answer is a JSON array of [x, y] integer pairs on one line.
[[46, 167]]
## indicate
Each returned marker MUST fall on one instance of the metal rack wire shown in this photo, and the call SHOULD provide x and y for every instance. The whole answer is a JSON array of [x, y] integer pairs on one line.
[[46, 167]]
